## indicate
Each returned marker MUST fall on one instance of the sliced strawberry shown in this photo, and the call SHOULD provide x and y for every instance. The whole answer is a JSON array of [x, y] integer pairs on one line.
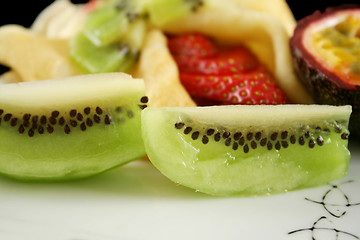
[[226, 61], [191, 46], [223, 75], [257, 87]]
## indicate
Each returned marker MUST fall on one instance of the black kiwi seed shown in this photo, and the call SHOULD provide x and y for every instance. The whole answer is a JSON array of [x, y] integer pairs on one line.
[[258, 136], [246, 148], [187, 130], [87, 110], [73, 113], [249, 136], [52, 120], [43, 120], [301, 140], [345, 136], [55, 114], [320, 141], [142, 107], [107, 120], [61, 121], [242, 141], [144, 99], [89, 122], [293, 139], [98, 110], [82, 126], [13, 122], [235, 146], [263, 141], [50, 129], [284, 144], [253, 145], [311, 143], [338, 129], [228, 142], [73, 123], [195, 135], [277, 145], [26, 117], [67, 129], [97, 118], [210, 131], [34, 118], [269, 146], [274, 136], [7, 117], [307, 134], [205, 139], [284, 134], [226, 134], [21, 129], [217, 137], [179, 125], [1, 112], [237, 136], [31, 133], [79, 117], [26, 123], [41, 130], [34, 125]]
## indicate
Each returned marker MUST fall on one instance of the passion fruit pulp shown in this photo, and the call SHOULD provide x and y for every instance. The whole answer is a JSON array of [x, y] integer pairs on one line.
[[326, 56]]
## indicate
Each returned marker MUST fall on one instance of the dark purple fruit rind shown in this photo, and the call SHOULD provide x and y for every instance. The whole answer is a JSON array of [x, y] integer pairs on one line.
[[327, 92], [297, 45], [325, 86]]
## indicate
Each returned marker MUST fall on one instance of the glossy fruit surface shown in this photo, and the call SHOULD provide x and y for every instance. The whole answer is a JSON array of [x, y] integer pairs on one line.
[[248, 150], [223, 74], [70, 128], [326, 53]]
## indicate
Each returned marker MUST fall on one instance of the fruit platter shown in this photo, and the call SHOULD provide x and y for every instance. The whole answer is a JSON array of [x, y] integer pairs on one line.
[[196, 119]]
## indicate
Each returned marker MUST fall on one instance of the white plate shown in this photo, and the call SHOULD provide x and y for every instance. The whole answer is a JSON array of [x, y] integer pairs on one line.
[[136, 202]]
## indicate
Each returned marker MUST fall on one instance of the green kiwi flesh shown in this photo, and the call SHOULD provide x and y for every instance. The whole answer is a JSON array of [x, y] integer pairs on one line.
[[70, 128], [163, 11], [113, 34], [248, 150]]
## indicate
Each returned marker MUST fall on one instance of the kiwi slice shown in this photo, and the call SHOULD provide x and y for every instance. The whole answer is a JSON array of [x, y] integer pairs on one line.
[[119, 57], [112, 21], [248, 150], [163, 11], [70, 128], [114, 33]]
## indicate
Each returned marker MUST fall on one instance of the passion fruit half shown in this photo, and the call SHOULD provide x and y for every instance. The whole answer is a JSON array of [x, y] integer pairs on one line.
[[326, 55]]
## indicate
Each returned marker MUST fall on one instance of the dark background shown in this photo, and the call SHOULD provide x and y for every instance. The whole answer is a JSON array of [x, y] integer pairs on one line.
[[24, 12]]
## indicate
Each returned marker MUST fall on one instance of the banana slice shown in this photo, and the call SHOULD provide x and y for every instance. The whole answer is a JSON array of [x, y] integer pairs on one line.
[[61, 19], [34, 57], [161, 74]]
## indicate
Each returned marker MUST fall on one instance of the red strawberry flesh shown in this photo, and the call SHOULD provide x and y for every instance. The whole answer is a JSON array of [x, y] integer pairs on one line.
[[225, 75]]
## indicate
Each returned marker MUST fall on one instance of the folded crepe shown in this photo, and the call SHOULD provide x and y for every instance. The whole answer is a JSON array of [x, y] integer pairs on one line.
[[256, 25]]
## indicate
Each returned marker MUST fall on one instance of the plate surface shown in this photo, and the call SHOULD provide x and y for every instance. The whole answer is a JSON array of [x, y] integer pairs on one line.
[[135, 202]]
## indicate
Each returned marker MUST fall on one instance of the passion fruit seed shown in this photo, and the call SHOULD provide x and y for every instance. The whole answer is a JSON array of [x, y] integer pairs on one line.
[[269, 140], [74, 118]]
